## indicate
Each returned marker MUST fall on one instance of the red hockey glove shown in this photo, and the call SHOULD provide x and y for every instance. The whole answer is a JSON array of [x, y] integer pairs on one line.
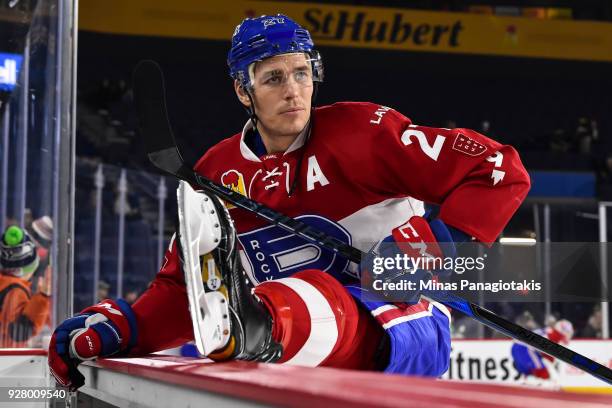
[[99, 331], [426, 244], [420, 237]]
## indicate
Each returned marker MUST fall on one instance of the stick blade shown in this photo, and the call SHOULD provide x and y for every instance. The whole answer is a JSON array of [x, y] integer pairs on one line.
[[152, 113]]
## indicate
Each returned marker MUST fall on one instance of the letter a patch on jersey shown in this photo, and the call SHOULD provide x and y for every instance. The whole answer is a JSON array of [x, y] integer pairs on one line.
[[314, 174], [468, 145]]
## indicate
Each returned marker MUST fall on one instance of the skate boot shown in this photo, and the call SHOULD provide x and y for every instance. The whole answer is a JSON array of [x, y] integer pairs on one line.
[[229, 321]]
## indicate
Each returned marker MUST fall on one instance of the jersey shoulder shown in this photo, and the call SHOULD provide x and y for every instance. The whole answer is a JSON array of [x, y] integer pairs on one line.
[[217, 152], [361, 114], [364, 123]]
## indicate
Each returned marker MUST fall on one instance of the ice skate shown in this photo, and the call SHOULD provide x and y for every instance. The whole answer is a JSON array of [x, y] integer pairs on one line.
[[229, 321]]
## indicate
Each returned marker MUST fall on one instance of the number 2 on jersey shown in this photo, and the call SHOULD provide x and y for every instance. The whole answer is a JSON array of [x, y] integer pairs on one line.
[[433, 151]]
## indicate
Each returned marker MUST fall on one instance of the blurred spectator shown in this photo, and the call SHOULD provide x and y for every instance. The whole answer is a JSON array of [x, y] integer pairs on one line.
[[586, 134], [131, 205], [593, 326], [559, 141], [22, 315], [131, 296], [527, 320], [607, 172], [41, 232], [552, 319], [103, 290]]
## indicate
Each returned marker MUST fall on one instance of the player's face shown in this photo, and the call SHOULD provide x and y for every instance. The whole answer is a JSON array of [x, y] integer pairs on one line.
[[282, 92]]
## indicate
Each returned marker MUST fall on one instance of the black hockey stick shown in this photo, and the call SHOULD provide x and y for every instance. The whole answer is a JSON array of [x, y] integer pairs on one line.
[[149, 95]]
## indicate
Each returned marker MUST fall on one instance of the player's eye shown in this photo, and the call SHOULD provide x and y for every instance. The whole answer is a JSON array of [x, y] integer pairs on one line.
[[302, 76], [273, 79]]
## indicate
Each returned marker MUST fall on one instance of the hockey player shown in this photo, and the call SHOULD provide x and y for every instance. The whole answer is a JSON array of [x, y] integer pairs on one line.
[[539, 368], [358, 171], [22, 314]]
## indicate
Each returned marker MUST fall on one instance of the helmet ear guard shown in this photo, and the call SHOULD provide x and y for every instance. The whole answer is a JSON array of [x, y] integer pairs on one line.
[[245, 81], [317, 66]]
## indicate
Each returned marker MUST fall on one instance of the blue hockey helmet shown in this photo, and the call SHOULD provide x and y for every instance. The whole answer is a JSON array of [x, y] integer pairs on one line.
[[256, 39]]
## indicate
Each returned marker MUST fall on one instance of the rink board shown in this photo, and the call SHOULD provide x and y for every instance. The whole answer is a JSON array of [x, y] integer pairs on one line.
[[489, 361], [162, 381]]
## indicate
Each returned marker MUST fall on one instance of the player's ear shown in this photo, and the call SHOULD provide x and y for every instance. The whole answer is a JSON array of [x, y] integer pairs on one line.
[[241, 93]]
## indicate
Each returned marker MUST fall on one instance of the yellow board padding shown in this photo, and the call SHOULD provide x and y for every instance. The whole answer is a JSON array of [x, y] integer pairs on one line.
[[589, 390], [360, 27]]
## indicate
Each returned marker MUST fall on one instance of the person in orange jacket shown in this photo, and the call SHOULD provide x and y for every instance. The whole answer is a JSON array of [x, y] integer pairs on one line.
[[22, 314]]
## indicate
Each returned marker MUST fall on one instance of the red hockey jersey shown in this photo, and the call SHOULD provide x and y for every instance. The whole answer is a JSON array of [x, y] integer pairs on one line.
[[363, 170]]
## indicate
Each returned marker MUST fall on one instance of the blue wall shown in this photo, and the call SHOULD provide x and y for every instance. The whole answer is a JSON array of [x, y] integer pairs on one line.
[[562, 184]]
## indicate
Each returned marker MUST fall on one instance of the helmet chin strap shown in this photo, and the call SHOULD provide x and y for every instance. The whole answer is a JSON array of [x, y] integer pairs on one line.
[[251, 110]]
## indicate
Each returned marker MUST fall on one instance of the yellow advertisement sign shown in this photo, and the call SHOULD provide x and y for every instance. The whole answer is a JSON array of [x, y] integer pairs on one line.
[[362, 27]]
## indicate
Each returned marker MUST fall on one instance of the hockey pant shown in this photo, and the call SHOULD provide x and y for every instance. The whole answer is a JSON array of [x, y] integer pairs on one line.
[[320, 322]]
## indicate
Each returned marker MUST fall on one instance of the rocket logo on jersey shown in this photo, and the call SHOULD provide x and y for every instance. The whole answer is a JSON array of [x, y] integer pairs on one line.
[[274, 253], [234, 180], [468, 145]]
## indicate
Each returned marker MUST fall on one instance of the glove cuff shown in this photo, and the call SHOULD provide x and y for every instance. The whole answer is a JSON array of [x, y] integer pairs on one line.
[[122, 317], [417, 238]]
